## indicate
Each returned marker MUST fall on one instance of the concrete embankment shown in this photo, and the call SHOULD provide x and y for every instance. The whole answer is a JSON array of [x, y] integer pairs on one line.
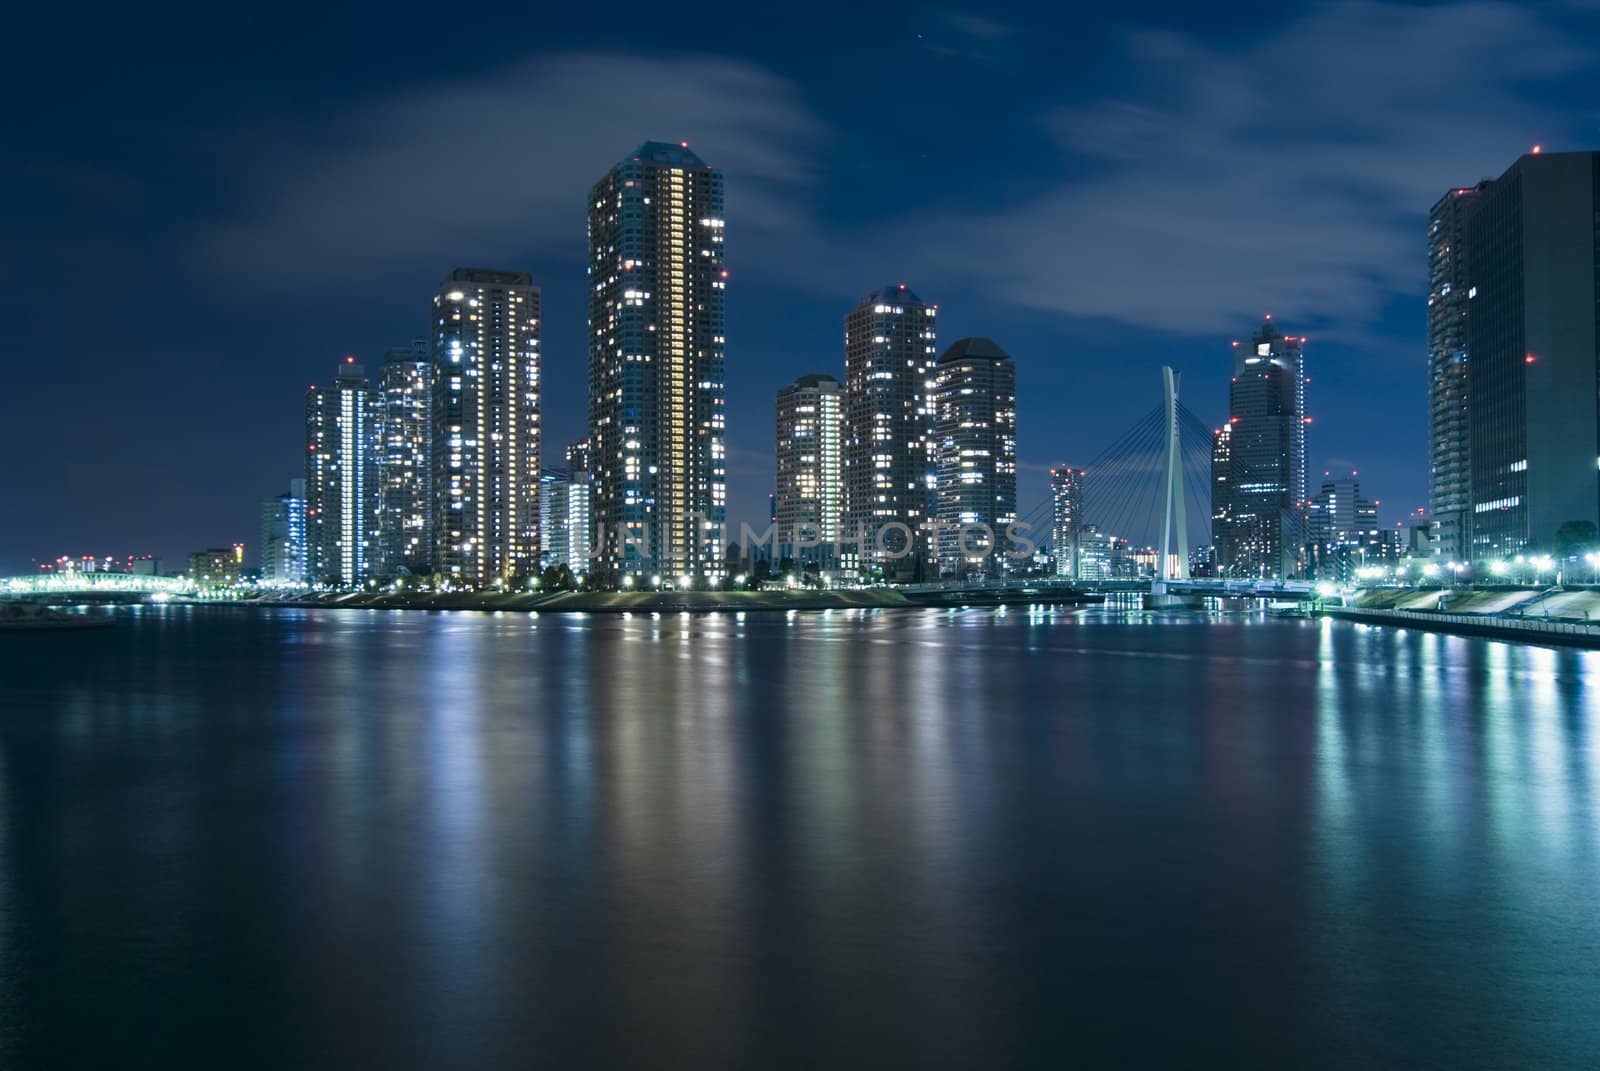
[[1515, 630]]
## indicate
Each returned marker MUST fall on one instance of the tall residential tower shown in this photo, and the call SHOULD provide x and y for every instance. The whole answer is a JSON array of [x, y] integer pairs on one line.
[[975, 452], [485, 445], [341, 479], [1066, 518], [656, 395], [888, 442], [810, 491], [405, 429]]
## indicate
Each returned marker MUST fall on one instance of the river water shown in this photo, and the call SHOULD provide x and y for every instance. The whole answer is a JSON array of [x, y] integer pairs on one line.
[[248, 838]]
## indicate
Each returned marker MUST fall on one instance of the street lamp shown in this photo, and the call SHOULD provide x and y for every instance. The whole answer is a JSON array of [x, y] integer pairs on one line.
[[1541, 565]]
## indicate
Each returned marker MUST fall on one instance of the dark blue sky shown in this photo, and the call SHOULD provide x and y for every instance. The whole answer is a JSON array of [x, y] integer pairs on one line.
[[204, 208]]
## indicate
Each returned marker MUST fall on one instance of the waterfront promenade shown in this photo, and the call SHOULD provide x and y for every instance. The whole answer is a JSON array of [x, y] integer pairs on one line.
[[1516, 629]]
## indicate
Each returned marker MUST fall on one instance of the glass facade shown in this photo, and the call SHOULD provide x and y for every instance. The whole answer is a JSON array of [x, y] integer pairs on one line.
[[1448, 450], [1533, 379], [1259, 461]]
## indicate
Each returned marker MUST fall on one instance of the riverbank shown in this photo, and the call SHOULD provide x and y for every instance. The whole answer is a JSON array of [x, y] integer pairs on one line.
[[1515, 630], [602, 602]]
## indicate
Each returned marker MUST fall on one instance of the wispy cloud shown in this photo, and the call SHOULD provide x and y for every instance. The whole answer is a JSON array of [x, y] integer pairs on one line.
[[1288, 174], [490, 168], [968, 36]]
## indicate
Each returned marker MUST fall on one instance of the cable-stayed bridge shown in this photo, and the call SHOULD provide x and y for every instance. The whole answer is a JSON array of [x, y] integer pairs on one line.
[[1145, 501]]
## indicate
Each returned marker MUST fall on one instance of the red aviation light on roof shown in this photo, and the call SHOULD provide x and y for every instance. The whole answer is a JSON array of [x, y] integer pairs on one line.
[[1537, 149]]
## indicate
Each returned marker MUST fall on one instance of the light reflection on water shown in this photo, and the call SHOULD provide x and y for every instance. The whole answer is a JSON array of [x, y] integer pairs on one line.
[[943, 838]]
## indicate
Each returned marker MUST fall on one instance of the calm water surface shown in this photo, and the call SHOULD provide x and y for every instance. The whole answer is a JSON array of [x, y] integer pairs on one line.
[[290, 839]]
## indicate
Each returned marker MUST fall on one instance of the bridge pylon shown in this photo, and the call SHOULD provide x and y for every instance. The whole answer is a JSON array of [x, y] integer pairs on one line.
[[1174, 520]]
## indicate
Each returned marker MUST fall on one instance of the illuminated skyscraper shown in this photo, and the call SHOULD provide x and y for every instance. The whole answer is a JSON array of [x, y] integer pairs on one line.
[[1449, 482], [578, 457], [405, 428], [485, 447], [1259, 491], [565, 522], [1341, 529], [810, 498], [341, 479], [283, 536], [656, 395], [1338, 514], [975, 449], [888, 445], [1066, 518]]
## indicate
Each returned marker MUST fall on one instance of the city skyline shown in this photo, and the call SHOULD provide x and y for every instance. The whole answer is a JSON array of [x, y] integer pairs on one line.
[[435, 467], [829, 209]]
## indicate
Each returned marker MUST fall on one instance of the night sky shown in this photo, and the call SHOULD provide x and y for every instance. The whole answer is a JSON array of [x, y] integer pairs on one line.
[[206, 208]]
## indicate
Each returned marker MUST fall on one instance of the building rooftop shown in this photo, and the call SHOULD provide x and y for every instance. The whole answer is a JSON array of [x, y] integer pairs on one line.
[[815, 379], [894, 292], [667, 152], [977, 346], [490, 276]]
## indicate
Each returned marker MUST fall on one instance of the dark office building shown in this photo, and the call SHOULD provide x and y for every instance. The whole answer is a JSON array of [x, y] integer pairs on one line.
[[1258, 463], [1534, 435], [1449, 482]]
